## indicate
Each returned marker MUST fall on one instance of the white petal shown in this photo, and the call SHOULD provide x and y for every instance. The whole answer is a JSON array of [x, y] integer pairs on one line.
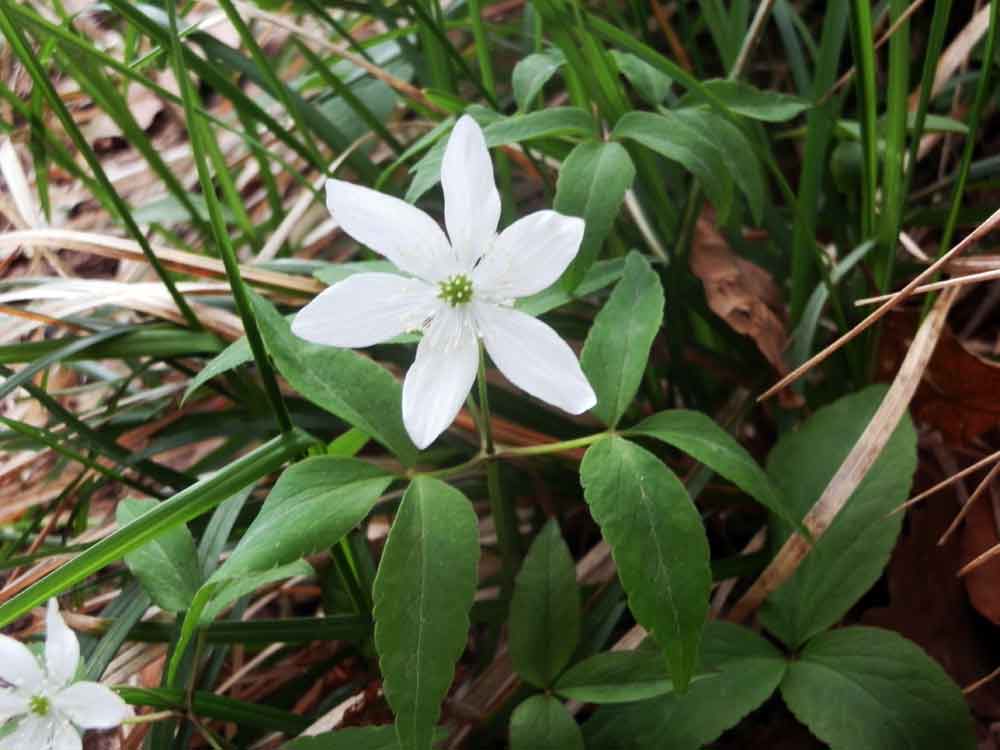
[[62, 650], [439, 380], [12, 704], [407, 236], [19, 667], [65, 737], [42, 733], [534, 358], [366, 309], [90, 705], [529, 255], [471, 200]]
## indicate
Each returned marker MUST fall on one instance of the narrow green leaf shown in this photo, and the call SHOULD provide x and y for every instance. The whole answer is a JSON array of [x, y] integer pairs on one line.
[[543, 723], [182, 507], [602, 274], [167, 565], [345, 383], [311, 507], [651, 84], [615, 677], [674, 138], [850, 556], [871, 688], [617, 347], [706, 442], [216, 707], [746, 100], [531, 74], [744, 670], [592, 184], [246, 583], [503, 131], [544, 609], [658, 543], [423, 592]]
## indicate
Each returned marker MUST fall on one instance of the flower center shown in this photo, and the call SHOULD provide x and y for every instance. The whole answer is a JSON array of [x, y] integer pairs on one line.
[[456, 290], [40, 705]]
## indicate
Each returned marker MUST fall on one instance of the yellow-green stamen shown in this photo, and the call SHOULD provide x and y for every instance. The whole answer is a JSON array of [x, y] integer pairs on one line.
[[456, 290], [40, 705]]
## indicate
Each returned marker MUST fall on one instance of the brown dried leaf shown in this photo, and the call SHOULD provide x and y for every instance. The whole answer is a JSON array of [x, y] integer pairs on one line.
[[983, 584], [741, 293], [958, 392]]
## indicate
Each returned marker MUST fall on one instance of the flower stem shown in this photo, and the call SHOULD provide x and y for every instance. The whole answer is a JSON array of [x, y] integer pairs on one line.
[[560, 447], [504, 514]]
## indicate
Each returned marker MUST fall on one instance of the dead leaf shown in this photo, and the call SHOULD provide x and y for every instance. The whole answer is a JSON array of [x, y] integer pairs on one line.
[[958, 392], [742, 294], [983, 584]]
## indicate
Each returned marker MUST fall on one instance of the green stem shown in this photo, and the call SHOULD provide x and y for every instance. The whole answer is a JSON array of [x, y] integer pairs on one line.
[[504, 514], [560, 447]]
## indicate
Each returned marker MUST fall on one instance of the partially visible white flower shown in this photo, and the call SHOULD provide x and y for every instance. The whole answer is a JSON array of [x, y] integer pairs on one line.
[[457, 291], [50, 708]]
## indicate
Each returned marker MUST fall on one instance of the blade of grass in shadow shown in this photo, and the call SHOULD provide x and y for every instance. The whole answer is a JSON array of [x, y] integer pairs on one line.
[[107, 195], [200, 143], [863, 44]]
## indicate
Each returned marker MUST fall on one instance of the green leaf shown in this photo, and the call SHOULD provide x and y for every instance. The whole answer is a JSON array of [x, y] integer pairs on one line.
[[531, 74], [167, 565], [354, 738], [234, 355], [651, 84], [544, 609], [331, 273], [423, 592], [246, 583], [543, 723], [345, 383], [658, 544], [745, 671], [674, 138], [546, 123], [592, 184], [870, 688], [617, 347], [706, 442], [736, 152], [849, 557], [744, 99], [601, 274], [615, 677], [311, 507]]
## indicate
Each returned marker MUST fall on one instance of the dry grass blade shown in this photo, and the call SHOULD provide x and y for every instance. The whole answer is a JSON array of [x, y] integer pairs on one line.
[[980, 488], [895, 300], [992, 458], [958, 281], [175, 260], [854, 468]]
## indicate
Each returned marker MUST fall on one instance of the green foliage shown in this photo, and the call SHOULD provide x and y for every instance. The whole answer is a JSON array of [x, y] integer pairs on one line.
[[866, 687], [617, 348], [592, 185], [850, 555], [658, 543], [615, 677], [423, 592], [312, 506], [543, 723], [544, 610], [167, 566]]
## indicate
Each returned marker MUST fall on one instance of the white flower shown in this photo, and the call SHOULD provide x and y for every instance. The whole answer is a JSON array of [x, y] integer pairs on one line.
[[458, 292], [51, 708]]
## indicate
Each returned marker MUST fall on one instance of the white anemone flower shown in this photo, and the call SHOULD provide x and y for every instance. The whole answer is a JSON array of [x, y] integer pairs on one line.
[[458, 292], [50, 707]]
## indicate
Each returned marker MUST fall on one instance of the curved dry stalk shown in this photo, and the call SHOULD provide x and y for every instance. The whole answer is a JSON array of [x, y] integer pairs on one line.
[[180, 261], [956, 282], [979, 560], [854, 468], [895, 300], [980, 488]]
